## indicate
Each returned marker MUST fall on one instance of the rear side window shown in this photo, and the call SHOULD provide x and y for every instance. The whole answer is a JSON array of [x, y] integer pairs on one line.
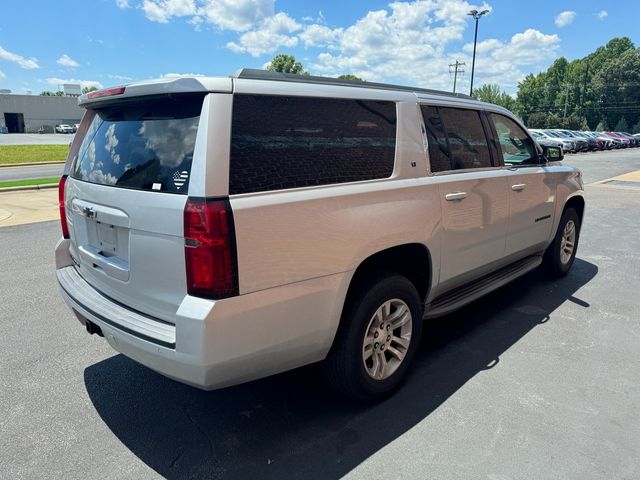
[[467, 140], [439, 155], [143, 145], [456, 138], [280, 142]]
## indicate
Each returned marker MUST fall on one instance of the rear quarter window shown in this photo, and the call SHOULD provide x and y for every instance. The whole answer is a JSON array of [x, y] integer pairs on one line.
[[281, 142], [144, 144]]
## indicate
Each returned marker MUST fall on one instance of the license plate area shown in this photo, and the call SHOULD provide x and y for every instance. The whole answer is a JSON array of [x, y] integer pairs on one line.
[[102, 239]]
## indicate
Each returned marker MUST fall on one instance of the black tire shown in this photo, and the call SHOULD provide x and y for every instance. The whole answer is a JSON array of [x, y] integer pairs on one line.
[[344, 366], [552, 263]]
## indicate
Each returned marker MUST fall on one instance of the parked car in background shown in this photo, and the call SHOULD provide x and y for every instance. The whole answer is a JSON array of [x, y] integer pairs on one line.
[[64, 128], [546, 140], [607, 143], [583, 144], [568, 145], [258, 248], [594, 143], [616, 142], [75, 127], [626, 142], [634, 140]]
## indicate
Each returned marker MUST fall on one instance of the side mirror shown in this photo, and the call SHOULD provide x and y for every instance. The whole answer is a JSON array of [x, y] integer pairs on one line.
[[552, 154]]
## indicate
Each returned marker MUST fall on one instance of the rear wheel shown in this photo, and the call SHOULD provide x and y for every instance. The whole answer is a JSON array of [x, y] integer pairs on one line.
[[380, 333], [561, 254]]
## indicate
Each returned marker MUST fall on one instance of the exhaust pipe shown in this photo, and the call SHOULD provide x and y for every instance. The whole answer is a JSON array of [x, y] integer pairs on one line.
[[92, 328]]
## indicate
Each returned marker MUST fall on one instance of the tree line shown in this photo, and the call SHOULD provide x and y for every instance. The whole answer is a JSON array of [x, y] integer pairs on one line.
[[598, 92]]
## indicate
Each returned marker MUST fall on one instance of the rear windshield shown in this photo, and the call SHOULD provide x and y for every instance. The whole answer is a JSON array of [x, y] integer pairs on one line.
[[143, 145]]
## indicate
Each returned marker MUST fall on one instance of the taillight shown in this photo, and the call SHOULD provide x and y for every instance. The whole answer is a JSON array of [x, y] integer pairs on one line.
[[62, 208], [107, 92], [209, 248]]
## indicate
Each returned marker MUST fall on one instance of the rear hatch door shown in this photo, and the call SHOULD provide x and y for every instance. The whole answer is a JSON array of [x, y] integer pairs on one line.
[[125, 198]]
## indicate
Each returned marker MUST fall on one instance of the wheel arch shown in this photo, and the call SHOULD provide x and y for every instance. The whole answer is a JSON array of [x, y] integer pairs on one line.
[[577, 203], [411, 260]]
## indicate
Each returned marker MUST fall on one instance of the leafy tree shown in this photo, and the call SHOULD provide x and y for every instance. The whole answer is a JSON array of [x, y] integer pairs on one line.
[[492, 93], [636, 127], [286, 64], [602, 126], [47, 93], [621, 126], [616, 89], [92, 88], [59, 93], [349, 76], [573, 122]]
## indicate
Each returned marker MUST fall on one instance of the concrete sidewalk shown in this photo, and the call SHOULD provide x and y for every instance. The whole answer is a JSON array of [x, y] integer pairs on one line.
[[28, 206]]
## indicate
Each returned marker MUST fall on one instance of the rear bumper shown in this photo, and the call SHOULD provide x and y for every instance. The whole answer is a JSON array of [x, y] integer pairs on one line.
[[214, 344]]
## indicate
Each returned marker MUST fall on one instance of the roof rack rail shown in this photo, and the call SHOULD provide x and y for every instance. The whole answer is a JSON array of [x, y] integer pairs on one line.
[[256, 74]]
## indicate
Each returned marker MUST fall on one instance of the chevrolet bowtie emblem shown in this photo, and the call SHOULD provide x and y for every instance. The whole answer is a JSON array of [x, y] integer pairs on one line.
[[89, 212]]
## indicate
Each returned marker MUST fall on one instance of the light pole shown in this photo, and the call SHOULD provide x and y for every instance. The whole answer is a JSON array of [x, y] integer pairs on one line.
[[476, 15]]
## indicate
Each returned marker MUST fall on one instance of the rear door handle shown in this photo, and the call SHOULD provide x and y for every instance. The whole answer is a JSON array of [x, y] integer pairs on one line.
[[518, 187], [455, 196]]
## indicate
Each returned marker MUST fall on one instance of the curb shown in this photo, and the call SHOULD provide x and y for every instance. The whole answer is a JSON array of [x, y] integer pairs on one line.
[[32, 164], [29, 187]]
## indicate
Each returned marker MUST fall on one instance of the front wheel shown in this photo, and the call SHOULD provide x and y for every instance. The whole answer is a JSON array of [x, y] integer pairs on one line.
[[378, 338], [561, 254]]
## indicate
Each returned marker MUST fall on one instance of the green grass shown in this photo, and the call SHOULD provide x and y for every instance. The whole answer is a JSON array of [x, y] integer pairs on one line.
[[32, 153], [33, 181]]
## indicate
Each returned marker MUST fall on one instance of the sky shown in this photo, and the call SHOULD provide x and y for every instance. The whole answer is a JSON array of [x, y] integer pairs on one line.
[[112, 42]]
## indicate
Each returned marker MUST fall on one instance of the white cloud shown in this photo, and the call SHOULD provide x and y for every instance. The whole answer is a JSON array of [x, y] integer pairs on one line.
[[320, 35], [502, 62], [406, 43], [55, 81], [181, 75], [602, 14], [162, 10], [564, 18], [273, 33], [27, 64], [122, 3], [2, 75], [66, 61], [236, 15], [119, 77]]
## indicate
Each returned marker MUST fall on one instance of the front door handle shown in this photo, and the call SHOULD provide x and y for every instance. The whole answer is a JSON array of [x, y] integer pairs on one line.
[[455, 196], [518, 187]]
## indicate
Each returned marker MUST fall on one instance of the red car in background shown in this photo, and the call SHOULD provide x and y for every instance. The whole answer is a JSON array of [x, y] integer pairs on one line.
[[635, 141], [626, 142]]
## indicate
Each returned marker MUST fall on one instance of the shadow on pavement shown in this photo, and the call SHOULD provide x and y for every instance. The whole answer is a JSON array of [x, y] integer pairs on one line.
[[293, 425]]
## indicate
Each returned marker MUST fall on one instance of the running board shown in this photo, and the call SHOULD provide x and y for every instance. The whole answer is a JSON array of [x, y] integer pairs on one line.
[[460, 296]]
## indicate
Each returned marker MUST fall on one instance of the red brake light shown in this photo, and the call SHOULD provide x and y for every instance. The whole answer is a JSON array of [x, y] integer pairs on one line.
[[107, 92], [209, 247], [62, 208]]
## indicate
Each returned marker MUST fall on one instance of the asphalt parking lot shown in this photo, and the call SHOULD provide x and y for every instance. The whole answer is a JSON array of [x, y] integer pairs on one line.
[[539, 380]]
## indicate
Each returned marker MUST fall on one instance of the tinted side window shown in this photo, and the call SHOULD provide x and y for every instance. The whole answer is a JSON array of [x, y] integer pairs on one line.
[[438, 148], [280, 142], [467, 141], [516, 146]]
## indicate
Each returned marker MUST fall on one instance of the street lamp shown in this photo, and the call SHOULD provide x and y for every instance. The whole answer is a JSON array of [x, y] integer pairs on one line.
[[476, 15]]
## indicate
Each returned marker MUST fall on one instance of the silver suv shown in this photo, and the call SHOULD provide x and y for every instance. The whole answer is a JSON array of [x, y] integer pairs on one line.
[[219, 230]]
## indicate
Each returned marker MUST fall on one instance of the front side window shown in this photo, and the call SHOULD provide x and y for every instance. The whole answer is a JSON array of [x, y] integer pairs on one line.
[[282, 142], [142, 145], [516, 146]]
